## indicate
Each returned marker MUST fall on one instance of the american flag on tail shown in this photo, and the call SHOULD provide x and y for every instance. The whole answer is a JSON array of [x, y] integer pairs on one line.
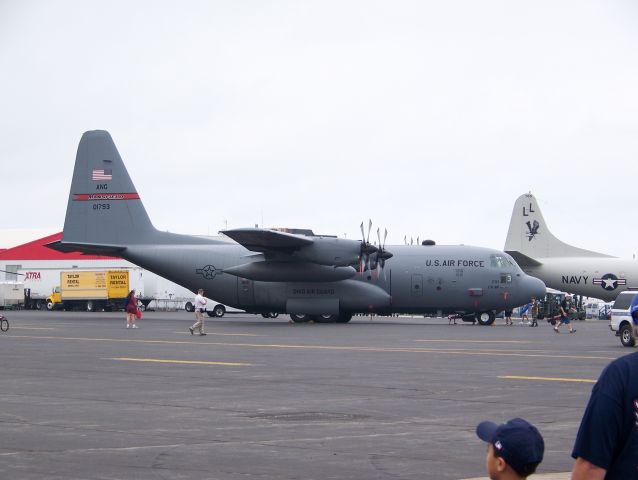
[[102, 174]]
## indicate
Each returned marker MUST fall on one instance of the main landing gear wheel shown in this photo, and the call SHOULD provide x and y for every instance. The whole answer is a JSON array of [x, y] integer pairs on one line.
[[627, 336], [299, 317], [485, 318]]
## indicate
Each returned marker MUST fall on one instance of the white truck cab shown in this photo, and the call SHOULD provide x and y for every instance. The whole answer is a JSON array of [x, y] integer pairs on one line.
[[621, 321]]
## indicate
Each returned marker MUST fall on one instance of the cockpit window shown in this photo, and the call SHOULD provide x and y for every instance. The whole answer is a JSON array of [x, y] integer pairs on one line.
[[500, 261], [511, 260]]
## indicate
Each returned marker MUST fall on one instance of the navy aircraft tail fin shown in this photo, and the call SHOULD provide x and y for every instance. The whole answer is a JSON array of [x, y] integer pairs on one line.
[[529, 239]]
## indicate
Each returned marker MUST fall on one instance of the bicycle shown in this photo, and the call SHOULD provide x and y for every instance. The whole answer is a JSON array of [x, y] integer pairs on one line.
[[4, 323]]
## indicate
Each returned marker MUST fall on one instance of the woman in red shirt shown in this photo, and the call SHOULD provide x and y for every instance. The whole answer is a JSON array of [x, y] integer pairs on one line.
[[131, 310]]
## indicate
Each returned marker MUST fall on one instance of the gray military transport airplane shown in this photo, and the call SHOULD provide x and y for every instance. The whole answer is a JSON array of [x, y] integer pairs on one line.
[[559, 265], [321, 278]]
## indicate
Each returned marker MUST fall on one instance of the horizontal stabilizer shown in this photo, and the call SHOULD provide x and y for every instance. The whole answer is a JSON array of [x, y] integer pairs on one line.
[[523, 260], [260, 240], [89, 249]]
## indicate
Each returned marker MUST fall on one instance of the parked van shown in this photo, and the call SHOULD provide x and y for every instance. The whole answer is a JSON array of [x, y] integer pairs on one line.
[[621, 322]]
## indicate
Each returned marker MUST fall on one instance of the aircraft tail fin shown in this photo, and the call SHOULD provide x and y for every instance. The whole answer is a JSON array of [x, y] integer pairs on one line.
[[529, 238], [104, 208]]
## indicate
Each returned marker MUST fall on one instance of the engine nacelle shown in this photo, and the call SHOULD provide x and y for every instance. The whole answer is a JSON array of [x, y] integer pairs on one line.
[[291, 272], [339, 252]]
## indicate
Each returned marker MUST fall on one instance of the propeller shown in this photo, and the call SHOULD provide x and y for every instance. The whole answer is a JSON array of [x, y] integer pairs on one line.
[[367, 248], [382, 254]]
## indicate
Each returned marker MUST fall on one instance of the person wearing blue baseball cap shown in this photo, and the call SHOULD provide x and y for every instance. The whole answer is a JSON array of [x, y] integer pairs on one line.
[[514, 449]]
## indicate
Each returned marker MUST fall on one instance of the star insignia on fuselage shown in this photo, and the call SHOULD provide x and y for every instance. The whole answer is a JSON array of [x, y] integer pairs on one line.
[[208, 272], [610, 282]]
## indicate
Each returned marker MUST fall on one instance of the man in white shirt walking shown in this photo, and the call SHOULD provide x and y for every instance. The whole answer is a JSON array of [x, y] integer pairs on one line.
[[200, 308]]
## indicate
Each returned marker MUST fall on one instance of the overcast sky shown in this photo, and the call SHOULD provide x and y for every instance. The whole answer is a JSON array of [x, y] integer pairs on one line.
[[430, 117]]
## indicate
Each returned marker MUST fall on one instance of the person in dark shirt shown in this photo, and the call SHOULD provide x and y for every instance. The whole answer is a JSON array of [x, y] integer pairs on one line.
[[633, 310], [606, 446], [565, 307]]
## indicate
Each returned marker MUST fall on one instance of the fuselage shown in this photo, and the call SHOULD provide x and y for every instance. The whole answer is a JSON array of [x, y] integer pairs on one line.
[[602, 278], [417, 279], [269, 271]]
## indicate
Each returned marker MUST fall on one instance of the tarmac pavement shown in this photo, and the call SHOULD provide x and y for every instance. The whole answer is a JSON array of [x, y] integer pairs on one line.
[[84, 398]]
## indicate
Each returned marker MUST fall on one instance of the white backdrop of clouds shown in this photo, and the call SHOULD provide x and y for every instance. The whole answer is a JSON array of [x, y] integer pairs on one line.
[[429, 117]]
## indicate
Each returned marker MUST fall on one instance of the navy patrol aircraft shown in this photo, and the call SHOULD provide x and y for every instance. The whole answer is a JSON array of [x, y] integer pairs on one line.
[[562, 266], [310, 277]]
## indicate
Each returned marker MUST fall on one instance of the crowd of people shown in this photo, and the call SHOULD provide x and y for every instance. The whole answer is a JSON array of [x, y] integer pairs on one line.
[[531, 313]]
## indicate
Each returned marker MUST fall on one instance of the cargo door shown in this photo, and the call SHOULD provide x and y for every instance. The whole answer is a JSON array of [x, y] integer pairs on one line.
[[245, 293]]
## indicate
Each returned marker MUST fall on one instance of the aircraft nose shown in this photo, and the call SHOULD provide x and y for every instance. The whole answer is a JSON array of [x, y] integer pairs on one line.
[[533, 287]]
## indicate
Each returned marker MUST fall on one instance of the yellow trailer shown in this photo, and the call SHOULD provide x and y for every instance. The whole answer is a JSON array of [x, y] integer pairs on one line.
[[90, 290]]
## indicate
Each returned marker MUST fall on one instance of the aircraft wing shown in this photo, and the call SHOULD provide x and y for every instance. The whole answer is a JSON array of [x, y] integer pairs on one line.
[[522, 259], [261, 240]]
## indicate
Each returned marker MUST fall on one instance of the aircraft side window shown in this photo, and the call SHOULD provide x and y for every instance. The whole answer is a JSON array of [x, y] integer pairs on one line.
[[506, 278]]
